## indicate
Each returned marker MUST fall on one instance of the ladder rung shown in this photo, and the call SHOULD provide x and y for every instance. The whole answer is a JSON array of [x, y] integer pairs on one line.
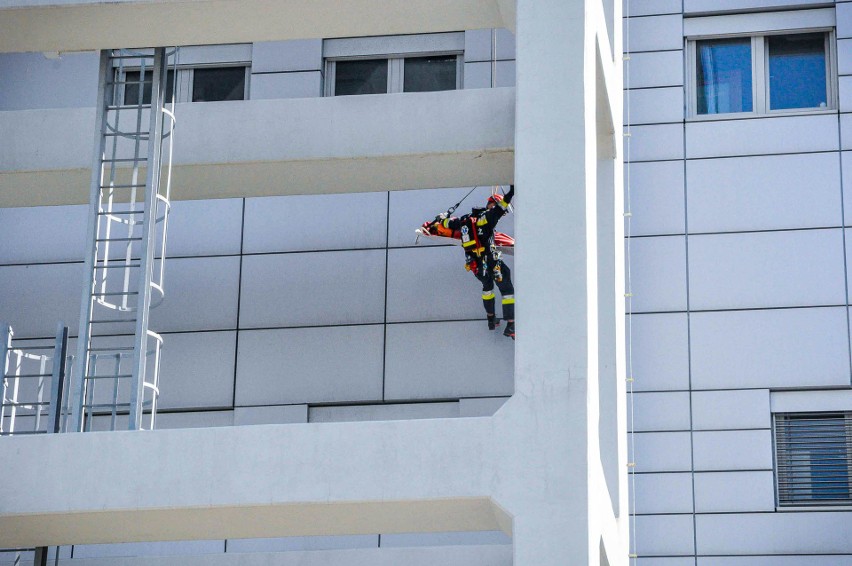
[[29, 375], [117, 265], [106, 405], [128, 106], [133, 320], [136, 56], [117, 376], [116, 134], [136, 239], [121, 213], [129, 186], [116, 349], [115, 294], [127, 160]]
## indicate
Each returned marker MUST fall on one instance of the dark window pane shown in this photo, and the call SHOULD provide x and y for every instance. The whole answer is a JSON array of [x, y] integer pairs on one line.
[[361, 77], [724, 76], [131, 87], [797, 71], [424, 74], [209, 85]]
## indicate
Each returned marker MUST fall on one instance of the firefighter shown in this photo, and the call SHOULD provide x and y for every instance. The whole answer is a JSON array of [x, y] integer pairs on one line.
[[482, 258]]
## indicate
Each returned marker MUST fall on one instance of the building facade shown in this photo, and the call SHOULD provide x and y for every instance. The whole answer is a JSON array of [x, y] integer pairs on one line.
[[296, 294]]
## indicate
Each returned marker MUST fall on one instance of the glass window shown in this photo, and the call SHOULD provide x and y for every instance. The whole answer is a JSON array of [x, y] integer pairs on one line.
[[423, 74], [369, 76], [797, 77], [723, 80], [209, 85], [133, 82]]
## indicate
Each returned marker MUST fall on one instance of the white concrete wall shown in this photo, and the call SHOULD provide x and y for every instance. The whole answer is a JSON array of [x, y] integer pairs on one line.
[[739, 277]]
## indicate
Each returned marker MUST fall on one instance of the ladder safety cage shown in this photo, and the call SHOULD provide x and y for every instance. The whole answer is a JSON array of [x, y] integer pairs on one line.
[[33, 391], [116, 375]]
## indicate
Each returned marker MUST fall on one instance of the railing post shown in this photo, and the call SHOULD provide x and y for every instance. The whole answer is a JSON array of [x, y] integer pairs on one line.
[[57, 384], [5, 346]]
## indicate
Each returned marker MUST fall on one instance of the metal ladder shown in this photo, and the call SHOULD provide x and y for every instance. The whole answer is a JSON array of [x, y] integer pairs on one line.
[[116, 373]]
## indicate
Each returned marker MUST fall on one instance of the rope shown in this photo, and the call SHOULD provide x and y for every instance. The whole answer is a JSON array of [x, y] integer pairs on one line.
[[455, 206], [628, 214]]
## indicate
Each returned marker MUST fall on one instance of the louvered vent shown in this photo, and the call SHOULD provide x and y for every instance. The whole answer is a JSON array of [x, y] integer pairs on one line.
[[813, 454]]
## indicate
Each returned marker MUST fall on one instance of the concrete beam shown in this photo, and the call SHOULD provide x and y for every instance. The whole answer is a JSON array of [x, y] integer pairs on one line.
[[79, 25], [244, 482], [277, 147]]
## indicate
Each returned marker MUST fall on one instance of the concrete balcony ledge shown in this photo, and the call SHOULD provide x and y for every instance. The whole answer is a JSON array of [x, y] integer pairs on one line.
[[76, 25], [283, 146]]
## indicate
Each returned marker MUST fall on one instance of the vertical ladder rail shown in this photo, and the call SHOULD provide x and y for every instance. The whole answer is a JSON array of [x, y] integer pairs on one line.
[[146, 268]]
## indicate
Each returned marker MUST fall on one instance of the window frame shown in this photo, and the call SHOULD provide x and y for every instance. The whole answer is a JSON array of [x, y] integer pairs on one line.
[[810, 504], [396, 69], [760, 79], [184, 78]]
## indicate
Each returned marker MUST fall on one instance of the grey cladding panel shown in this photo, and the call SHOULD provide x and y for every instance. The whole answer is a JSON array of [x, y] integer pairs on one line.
[[654, 69], [775, 533], [309, 289], [790, 134], [42, 234], [660, 411], [732, 450], [661, 452], [278, 56], [718, 410], [34, 298], [418, 356], [660, 352], [770, 348], [725, 492], [197, 370], [432, 284], [766, 269], [664, 534], [662, 493], [201, 294], [315, 222], [655, 33], [310, 365], [658, 274], [656, 198], [764, 193], [304, 84], [204, 227]]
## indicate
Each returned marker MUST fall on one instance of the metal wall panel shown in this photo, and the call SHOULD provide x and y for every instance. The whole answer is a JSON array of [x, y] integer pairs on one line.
[[653, 105], [315, 222], [185, 308], [764, 193], [769, 348], [33, 298], [197, 370], [664, 534], [759, 136], [42, 234], [281, 56], [659, 276], [655, 33], [725, 492], [303, 84], [660, 411], [310, 289], [656, 198], [654, 69], [204, 227], [419, 354], [732, 450], [661, 451], [766, 269], [662, 493], [656, 143], [775, 533], [660, 352], [309, 365], [719, 410]]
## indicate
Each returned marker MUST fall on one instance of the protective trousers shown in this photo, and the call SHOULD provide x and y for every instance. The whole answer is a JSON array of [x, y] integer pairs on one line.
[[498, 272]]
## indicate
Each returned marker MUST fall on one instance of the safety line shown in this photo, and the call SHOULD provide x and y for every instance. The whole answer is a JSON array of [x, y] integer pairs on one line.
[[628, 214]]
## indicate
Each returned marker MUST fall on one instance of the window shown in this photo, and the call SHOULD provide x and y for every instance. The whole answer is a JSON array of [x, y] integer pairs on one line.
[[761, 74], [813, 456], [377, 65], [201, 84]]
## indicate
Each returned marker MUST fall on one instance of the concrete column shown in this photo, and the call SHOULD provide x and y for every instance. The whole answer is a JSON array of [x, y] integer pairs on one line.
[[552, 424]]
